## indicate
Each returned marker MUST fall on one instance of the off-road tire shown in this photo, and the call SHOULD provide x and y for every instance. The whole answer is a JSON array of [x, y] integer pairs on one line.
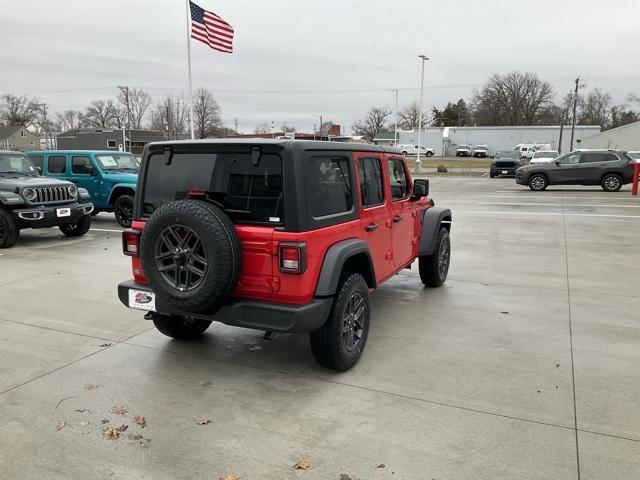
[[328, 344], [77, 229], [123, 210], [180, 328], [9, 231], [611, 182], [492, 175], [219, 243], [95, 212], [538, 182], [434, 268]]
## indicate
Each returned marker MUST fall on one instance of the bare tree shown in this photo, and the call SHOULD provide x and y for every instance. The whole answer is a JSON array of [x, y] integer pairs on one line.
[[595, 109], [263, 127], [18, 110], [287, 128], [137, 101], [325, 129], [515, 98], [374, 122], [206, 114], [100, 114], [68, 120], [409, 117], [170, 116]]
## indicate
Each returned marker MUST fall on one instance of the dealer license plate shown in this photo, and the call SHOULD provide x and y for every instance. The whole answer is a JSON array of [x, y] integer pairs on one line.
[[63, 212], [504, 172], [142, 300]]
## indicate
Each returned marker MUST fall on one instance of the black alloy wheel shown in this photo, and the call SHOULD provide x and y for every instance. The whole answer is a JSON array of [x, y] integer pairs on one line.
[[353, 322], [181, 258], [123, 210]]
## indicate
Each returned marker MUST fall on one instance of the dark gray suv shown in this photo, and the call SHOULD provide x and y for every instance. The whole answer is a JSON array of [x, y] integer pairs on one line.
[[608, 168]]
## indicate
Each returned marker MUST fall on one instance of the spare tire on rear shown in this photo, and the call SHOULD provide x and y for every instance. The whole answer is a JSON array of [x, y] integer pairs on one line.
[[190, 255]]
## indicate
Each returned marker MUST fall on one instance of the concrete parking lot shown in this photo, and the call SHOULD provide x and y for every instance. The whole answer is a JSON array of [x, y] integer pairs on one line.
[[525, 365]]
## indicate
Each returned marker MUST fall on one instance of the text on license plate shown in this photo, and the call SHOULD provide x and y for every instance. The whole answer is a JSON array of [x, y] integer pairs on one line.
[[63, 212], [505, 171], [142, 300]]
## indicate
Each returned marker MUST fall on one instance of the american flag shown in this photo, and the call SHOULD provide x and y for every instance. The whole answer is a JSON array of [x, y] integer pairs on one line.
[[210, 29]]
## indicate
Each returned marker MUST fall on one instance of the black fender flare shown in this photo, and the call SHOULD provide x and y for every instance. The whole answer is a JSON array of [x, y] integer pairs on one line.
[[431, 221], [334, 261]]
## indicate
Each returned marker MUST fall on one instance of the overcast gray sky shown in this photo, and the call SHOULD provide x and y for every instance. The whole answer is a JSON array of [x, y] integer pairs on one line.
[[295, 59]]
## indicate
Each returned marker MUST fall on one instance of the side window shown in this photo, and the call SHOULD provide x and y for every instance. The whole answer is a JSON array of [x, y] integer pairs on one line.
[[81, 165], [570, 159], [609, 157], [57, 164], [37, 161], [398, 179], [370, 174], [330, 186]]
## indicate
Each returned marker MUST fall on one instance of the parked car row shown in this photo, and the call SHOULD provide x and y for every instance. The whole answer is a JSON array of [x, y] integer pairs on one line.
[[54, 188]]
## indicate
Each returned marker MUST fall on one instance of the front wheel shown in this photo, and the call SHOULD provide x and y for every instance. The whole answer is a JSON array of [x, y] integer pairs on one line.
[[77, 229], [339, 343], [434, 268], [612, 182], [9, 231], [538, 183], [123, 210], [429, 154], [180, 328]]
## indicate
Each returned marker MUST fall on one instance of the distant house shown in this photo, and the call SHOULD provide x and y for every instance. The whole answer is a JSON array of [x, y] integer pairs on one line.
[[108, 139], [18, 138], [387, 139]]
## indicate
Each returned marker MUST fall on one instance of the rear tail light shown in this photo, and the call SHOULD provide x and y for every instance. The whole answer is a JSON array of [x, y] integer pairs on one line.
[[292, 257], [131, 242]]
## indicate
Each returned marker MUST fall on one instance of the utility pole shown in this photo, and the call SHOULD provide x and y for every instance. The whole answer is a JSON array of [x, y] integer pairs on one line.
[[418, 161], [395, 129], [125, 90], [45, 123], [235, 123], [565, 114], [575, 105]]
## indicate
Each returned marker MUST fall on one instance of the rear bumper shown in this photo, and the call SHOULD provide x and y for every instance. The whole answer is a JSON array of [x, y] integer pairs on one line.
[[259, 315], [45, 217]]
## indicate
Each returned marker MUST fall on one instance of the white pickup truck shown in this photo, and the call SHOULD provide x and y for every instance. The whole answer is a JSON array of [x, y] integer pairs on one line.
[[413, 150]]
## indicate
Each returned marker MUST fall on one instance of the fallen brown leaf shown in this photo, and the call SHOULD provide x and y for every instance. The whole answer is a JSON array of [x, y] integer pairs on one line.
[[140, 420], [382, 465], [91, 386], [122, 428], [229, 477], [105, 344], [84, 423], [137, 437], [111, 433], [204, 421], [504, 312], [60, 425], [119, 410], [302, 465], [104, 420]]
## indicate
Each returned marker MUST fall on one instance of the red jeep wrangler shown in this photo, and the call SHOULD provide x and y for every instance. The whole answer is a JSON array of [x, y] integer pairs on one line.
[[281, 236]]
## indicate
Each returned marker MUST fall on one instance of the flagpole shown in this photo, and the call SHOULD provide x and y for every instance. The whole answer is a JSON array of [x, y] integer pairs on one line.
[[190, 83]]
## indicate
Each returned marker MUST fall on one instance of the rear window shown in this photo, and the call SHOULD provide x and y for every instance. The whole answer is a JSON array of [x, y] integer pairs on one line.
[[248, 193]]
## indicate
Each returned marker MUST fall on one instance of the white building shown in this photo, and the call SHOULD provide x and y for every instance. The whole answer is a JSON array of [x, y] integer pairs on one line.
[[446, 140], [626, 137]]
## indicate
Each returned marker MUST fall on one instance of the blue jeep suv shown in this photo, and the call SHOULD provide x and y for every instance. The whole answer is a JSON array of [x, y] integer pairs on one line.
[[110, 177]]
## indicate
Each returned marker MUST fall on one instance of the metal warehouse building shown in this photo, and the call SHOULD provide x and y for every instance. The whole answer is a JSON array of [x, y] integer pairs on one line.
[[626, 137], [445, 140]]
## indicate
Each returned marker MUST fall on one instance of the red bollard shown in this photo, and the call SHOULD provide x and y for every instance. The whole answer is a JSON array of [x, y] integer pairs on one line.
[[636, 178]]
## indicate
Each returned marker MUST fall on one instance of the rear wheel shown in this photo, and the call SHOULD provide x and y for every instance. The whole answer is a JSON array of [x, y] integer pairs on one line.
[[339, 343], [538, 182], [77, 229], [123, 210], [180, 328], [434, 268], [429, 154], [9, 231], [611, 182]]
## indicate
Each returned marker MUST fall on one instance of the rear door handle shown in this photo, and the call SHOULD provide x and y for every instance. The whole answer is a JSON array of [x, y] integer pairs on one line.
[[371, 227], [397, 219]]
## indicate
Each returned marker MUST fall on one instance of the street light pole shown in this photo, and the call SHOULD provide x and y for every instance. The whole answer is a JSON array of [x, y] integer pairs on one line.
[[418, 161], [575, 104], [395, 128]]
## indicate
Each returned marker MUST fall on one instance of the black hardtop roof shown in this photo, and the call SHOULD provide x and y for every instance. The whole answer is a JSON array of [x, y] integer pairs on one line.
[[284, 144]]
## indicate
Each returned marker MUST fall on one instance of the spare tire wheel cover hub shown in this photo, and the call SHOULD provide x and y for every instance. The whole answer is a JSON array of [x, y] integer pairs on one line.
[[181, 257]]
